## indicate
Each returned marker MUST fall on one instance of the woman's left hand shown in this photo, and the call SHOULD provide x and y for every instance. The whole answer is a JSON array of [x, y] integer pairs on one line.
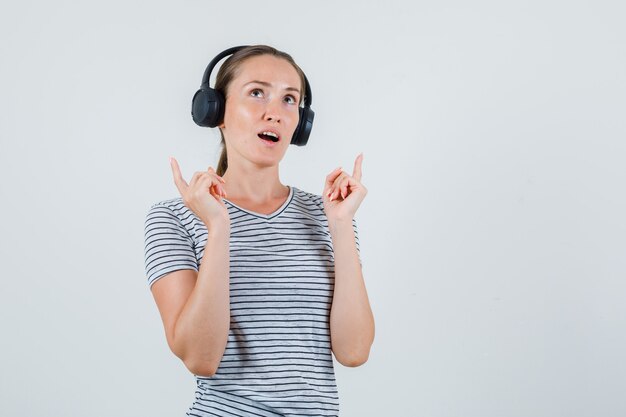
[[343, 193]]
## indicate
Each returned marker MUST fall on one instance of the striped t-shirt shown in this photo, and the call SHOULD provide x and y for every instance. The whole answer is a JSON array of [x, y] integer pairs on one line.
[[278, 359]]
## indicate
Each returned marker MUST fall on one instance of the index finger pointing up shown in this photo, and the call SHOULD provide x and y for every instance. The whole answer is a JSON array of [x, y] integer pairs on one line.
[[356, 174], [181, 184]]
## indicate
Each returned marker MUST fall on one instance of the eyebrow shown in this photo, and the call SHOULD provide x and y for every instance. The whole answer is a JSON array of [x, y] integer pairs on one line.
[[266, 84]]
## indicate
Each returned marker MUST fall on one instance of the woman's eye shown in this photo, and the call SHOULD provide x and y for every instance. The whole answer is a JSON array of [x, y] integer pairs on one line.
[[255, 92], [291, 99]]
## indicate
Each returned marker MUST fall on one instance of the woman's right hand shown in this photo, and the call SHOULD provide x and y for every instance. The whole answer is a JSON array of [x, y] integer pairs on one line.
[[203, 195]]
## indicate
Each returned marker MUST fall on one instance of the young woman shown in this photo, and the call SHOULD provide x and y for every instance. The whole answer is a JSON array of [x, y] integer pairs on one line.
[[258, 282]]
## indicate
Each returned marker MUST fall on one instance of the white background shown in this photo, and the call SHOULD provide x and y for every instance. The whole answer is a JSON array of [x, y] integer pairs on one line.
[[492, 237]]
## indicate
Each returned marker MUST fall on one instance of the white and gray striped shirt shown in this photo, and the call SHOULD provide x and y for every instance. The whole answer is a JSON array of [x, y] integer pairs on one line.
[[278, 359]]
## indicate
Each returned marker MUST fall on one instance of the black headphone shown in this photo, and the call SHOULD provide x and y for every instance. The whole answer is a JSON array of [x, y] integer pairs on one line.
[[207, 106]]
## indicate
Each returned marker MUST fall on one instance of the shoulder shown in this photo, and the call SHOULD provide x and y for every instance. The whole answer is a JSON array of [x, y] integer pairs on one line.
[[169, 207], [307, 199], [172, 210]]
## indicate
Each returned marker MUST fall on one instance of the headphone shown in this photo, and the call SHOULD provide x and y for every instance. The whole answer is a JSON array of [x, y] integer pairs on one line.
[[207, 106]]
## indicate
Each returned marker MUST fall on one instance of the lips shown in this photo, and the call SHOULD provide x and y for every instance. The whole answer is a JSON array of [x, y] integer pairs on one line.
[[269, 135]]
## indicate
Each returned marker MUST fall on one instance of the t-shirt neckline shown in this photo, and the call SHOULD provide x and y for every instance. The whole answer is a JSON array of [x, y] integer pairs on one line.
[[266, 216]]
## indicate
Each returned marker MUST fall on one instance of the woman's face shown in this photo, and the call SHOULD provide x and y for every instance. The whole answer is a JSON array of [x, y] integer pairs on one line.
[[263, 97]]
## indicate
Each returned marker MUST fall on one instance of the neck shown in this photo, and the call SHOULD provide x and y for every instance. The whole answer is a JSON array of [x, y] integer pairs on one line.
[[253, 183]]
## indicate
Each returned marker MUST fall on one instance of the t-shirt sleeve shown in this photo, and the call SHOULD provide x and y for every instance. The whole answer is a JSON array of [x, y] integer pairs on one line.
[[168, 245]]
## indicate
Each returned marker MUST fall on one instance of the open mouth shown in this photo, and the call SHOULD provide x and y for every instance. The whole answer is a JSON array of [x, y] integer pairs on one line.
[[269, 136]]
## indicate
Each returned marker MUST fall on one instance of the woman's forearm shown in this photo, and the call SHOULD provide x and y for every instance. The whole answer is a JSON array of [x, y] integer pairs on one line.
[[351, 318], [201, 331]]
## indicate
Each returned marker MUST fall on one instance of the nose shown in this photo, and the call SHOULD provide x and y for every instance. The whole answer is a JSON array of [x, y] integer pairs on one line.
[[272, 111]]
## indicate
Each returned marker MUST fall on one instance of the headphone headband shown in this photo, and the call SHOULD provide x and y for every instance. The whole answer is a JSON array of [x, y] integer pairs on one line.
[[214, 61]]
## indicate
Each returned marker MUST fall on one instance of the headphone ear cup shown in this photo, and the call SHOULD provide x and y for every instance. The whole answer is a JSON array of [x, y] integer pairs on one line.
[[207, 107], [303, 130]]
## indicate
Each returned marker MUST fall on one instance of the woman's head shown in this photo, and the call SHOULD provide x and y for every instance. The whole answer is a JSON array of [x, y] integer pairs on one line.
[[235, 77]]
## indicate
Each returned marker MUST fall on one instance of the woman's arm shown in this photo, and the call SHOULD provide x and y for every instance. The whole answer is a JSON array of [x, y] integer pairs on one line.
[[195, 306], [351, 318]]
